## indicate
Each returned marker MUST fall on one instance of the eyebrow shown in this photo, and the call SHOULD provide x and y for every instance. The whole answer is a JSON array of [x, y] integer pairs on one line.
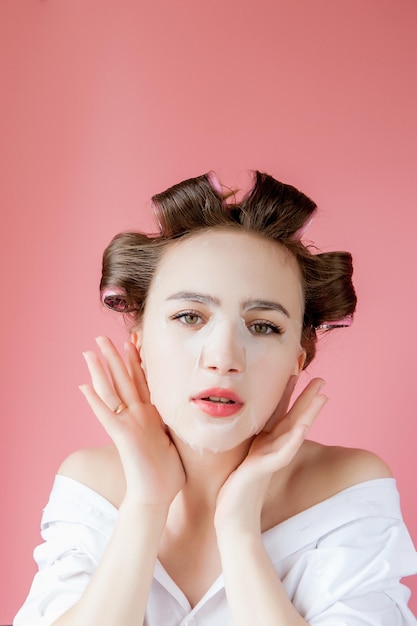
[[259, 305], [265, 305], [195, 297]]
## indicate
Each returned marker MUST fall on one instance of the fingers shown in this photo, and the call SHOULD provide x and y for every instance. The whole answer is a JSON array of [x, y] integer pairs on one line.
[[136, 372], [307, 417], [120, 379], [283, 404], [286, 446], [117, 382], [99, 407], [100, 381], [303, 412], [280, 446], [308, 404]]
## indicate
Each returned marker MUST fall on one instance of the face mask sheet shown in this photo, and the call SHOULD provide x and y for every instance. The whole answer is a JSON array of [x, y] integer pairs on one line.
[[224, 352]]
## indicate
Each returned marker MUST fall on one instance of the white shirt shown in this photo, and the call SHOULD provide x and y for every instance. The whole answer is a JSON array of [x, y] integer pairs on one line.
[[340, 561]]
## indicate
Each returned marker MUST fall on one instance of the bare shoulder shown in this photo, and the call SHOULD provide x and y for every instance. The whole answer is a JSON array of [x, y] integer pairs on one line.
[[323, 471], [319, 472], [99, 469], [350, 466]]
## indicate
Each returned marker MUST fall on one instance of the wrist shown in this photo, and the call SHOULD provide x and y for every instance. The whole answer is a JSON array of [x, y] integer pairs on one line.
[[245, 520], [238, 534], [234, 543], [153, 514]]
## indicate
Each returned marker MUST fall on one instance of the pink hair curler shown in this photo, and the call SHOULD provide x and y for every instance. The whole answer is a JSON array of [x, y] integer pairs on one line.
[[215, 183], [114, 298], [344, 322], [299, 234]]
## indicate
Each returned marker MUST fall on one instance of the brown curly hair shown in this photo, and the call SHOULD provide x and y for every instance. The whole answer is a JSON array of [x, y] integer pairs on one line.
[[273, 209]]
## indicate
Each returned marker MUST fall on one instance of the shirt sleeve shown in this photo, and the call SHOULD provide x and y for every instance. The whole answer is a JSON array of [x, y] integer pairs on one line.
[[76, 526], [352, 576], [341, 562]]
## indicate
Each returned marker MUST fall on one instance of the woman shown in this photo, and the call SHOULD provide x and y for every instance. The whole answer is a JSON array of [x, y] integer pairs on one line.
[[211, 506]]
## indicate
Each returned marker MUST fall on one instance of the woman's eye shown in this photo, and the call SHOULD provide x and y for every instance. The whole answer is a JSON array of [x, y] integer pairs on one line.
[[188, 318], [265, 328], [191, 319]]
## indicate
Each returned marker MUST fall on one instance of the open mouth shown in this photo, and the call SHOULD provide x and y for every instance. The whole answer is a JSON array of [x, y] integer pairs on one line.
[[219, 399], [219, 402]]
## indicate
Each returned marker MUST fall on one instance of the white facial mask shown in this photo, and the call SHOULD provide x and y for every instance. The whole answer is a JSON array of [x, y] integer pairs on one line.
[[222, 351], [213, 433]]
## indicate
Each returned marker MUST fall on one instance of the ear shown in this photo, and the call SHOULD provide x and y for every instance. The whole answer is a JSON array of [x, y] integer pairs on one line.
[[136, 337], [300, 362]]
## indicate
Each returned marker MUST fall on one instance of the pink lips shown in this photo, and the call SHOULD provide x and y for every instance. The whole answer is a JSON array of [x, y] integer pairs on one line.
[[218, 402]]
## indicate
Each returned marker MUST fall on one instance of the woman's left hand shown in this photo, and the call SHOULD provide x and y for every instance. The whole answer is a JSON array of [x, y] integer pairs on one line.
[[240, 500]]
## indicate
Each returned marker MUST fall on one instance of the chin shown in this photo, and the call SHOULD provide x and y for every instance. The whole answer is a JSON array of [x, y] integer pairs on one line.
[[214, 445]]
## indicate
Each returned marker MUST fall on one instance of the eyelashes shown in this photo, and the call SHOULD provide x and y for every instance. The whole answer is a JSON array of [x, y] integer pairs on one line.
[[188, 318], [262, 327], [257, 327]]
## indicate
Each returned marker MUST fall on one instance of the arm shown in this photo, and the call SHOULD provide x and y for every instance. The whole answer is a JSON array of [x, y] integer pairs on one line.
[[353, 551], [118, 590], [254, 590], [356, 547]]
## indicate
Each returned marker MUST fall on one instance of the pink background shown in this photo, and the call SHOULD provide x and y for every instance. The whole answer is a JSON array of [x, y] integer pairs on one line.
[[105, 102]]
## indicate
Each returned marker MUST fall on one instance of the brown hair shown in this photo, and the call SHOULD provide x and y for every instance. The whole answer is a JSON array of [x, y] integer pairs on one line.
[[273, 209]]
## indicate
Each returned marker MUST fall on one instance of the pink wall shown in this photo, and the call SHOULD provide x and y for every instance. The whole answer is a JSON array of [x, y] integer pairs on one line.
[[105, 102]]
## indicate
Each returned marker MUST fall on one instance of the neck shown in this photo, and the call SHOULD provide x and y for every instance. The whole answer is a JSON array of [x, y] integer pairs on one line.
[[207, 471]]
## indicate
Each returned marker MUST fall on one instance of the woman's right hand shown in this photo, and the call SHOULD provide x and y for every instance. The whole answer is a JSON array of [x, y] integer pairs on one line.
[[153, 469]]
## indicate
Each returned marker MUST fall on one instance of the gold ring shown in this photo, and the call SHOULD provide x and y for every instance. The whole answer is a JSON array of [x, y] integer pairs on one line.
[[120, 408]]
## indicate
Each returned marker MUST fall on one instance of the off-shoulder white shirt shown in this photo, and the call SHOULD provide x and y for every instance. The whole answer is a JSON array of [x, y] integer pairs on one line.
[[340, 561]]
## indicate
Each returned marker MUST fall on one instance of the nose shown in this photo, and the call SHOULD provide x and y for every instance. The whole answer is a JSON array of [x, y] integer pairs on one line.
[[223, 350]]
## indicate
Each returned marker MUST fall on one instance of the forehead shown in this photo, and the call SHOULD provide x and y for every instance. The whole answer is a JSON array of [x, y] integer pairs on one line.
[[229, 261]]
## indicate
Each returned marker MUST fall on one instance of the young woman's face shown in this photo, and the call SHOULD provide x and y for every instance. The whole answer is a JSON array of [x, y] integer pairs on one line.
[[221, 336]]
